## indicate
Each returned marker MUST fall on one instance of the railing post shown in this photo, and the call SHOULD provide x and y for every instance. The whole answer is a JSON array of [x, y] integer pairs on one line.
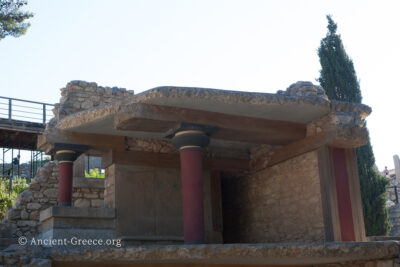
[[44, 113], [9, 108], [12, 171]]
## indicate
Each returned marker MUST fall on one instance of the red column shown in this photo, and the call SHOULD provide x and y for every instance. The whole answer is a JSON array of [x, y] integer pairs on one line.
[[191, 141], [65, 183], [65, 164], [343, 194], [192, 195]]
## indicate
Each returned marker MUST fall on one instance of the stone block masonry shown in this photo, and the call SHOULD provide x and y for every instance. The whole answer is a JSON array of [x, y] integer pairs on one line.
[[80, 95], [278, 204], [23, 218]]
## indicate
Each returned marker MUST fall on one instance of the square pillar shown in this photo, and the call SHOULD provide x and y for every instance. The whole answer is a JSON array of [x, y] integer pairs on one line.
[[341, 196]]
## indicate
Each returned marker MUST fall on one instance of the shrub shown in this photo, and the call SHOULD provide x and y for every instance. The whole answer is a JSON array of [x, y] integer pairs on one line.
[[7, 199], [94, 173]]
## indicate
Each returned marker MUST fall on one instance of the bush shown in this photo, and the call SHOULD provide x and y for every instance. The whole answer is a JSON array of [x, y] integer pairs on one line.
[[7, 199], [94, 173]]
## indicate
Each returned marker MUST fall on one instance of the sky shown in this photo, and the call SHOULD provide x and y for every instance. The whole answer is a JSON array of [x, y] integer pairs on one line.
[[247, 45]]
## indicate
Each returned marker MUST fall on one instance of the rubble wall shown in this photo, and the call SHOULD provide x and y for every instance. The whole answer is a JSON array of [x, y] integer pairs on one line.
[[80, 95], [23, 218]]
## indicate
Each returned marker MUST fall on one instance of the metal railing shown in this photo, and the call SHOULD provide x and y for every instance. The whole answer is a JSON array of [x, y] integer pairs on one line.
[[25, 110], [10, 169]]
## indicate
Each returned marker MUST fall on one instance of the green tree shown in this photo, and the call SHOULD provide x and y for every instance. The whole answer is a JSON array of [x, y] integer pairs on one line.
[[338, 78], [12, 19]]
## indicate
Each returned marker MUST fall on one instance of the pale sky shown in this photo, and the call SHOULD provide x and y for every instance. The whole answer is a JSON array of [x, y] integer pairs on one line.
[[248, 45]]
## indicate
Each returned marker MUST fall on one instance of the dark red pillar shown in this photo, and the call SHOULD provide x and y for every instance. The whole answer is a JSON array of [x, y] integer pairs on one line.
[[65, 164], [192, 195], [190, 144], [343, 194], [65, 183]]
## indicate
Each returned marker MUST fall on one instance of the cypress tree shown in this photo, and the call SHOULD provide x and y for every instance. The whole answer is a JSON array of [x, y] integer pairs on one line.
[[338, 78]]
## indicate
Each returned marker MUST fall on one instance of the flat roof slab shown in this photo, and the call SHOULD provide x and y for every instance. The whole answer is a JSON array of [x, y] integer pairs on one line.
[[250, 104], [273, 107]]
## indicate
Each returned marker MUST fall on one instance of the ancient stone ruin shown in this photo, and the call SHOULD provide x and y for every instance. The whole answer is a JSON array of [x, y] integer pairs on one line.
[[201, 176]]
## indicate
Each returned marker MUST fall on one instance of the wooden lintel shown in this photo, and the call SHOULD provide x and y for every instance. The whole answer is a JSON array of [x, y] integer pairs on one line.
[[155, 118], [300, 147], [165, 160], [97, 141]]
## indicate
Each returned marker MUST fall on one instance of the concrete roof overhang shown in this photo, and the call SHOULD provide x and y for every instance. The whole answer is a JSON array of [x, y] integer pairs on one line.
[[242, 117]]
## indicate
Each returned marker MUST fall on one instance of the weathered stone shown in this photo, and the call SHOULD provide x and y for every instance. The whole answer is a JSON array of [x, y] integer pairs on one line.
[[76, 105], [24, 215], [51, 193], [33, 206], [87, 104], [82, 203], [38, 195], [77, 195], [97, 203], [34, 187], [42, 180], [91, 195], [26, 196], [13, 214], [34, 215], [306, 89], [27, 223], [43, 200]]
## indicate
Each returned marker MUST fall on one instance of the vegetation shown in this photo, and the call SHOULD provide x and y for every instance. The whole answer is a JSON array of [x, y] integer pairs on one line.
[[12, 19], [6, 199], [94, 173], [339, 79]]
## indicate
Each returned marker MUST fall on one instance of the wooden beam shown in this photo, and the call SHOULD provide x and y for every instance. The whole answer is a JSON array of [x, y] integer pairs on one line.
[[155, 118], [300, 147], [98, 141], [165, 160]]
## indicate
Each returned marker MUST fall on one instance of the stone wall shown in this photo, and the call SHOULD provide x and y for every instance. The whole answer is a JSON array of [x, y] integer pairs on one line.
[[80, 95], [278, 204], [394, 216], [23, 218]]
